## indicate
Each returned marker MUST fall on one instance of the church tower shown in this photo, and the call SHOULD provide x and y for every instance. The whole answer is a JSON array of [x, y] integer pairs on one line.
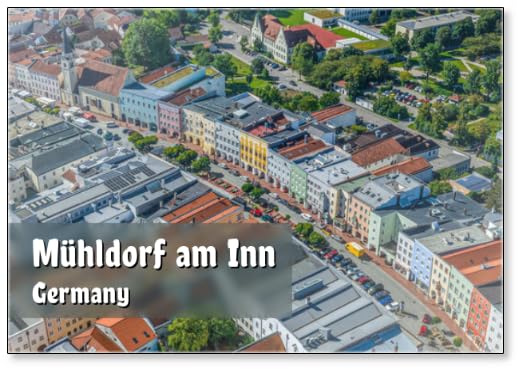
[[70, 80]]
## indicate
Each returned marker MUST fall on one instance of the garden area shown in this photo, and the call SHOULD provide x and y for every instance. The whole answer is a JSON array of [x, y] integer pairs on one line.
[[347, 33]]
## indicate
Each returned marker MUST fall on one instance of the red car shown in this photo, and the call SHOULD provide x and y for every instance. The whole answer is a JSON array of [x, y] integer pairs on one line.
[[427, 319], [363, 279], [423, 331], [89, 116], [256, 212], [331, 254]]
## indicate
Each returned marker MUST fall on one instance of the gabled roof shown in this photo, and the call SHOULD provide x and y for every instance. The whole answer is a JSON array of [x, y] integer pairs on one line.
[[94, 340], [132, 332], [331, 112], [325, 38], [104, 77], [272, 343], [410, 166], [302, 148], [46, 68], [377, 151]]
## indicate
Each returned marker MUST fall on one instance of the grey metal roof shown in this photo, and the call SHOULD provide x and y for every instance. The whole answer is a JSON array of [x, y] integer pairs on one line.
[[64, 154], [436, 20]]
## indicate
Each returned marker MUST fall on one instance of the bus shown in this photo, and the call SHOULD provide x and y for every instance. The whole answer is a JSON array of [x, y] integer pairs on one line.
[[355, 249]]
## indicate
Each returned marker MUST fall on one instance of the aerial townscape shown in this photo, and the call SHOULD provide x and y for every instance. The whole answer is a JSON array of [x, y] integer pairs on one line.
[[374, 134]]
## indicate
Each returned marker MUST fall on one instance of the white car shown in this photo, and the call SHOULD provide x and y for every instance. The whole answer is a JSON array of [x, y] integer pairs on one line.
[[394, 306], [222, 165], [274, 195], [306, 216], [245, 178]]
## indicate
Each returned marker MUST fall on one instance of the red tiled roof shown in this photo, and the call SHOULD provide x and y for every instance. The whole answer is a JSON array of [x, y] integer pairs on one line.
[[409, 166], [132, 332], [377, 151], [302, 148], [331, 112], [186, 96], [271, 343], [340, 83], [103, 77], [193, 205], [325, 38], [16, 56], [94, 339], [271, 26], [481, 264], [20, 17], [46, 68], [261, 131], [157, 74]]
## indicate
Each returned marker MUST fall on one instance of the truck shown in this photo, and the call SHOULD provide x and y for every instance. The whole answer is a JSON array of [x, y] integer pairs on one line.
[[355, 249]]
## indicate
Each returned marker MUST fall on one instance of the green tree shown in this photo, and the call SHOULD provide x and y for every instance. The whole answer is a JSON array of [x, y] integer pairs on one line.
[[457, 341], [256, 193], [145, 143], [134, 136], [491, 78], [443, 37], [422, 38], [224, 63], [214, 18], [472, 83], [249, 78], [215, 34], [462, 30], [439, 187], [188, 334], [400, 45], [243, 43], [186, 158], [388, 28], [202, 55], [269, 94], [329, 98], [146, 43], [317, 240], [387, 106], [450, 75], [493, 148], [173, 151], [258, 46], [257, 66], [307, 102], [304, 229], [489, 21], [201, 165], [373, 18], [302, 59], [118, 57], [429, 59], [494, 197], [247, 187], [220, 330]]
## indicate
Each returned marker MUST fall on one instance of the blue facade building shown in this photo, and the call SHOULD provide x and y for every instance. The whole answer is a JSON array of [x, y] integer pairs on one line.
[[421, 265], [138, 104]]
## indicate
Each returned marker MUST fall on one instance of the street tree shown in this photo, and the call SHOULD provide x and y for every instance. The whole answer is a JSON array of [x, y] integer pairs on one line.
[[400, 45], [186, 158], [302, 59], [224, 63], [201, 165], [329, 98], [215, 34], [214, 18], [257, 66]]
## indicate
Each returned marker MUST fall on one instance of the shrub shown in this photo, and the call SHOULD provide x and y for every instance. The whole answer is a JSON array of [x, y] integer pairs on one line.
[[436, 320], [457, 342], [247, 187]]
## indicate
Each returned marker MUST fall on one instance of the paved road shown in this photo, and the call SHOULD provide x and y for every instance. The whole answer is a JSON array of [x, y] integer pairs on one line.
[[231, 44]]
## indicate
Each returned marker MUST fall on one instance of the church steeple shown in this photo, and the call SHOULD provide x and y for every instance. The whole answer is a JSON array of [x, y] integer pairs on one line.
[[67, 48]]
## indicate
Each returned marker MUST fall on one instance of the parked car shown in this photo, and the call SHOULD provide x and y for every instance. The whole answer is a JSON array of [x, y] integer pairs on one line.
[[364, 280], [282, 87], [386, 300], [126, 131], [353, 272], [223, 166], [235, 173], [274, 195], [325, 251], [245, 178], [427, 319], [111, 124], [369, 284], [352, 265], [116, 137], [331, 254], [89, 116], [337, 238], [256, 212], [392, 306], [267, 218], [293, 83], [358, 276], [381, 294], [337, 258], [376, 288], [99, 131], [306, 216], [283, 201]]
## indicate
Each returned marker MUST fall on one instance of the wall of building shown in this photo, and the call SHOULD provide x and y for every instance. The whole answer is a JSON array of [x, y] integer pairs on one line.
[[478, 318], [459, 297], [169, 119], [138, 109], [495, 332], [227, 142], [298, 187], [279, 170], [421, 267], [59, 328], [30, 339], [253, 153], [96, 102]]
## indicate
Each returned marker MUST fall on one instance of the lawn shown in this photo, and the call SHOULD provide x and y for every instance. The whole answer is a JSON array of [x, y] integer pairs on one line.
[[478, 68], [290, 17], [238, 84], [243, 69], [346, 33], [457, 63], [371, 45]]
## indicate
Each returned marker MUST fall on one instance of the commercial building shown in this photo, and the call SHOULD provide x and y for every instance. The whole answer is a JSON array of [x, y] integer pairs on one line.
[[336, 116], [361, 14], [458, 162], [470, 269], [45, 80], [418, 167], [474, 182], [379, 154], [442, 243], [138, 104], [410, 27], [330, 314], [26, 335], [483, 300], [392, 231], [388, 191], [59, 328], [495, 330], [321, 17]]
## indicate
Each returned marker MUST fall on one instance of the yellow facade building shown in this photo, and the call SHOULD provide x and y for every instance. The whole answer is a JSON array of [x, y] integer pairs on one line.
[[253, 153]]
